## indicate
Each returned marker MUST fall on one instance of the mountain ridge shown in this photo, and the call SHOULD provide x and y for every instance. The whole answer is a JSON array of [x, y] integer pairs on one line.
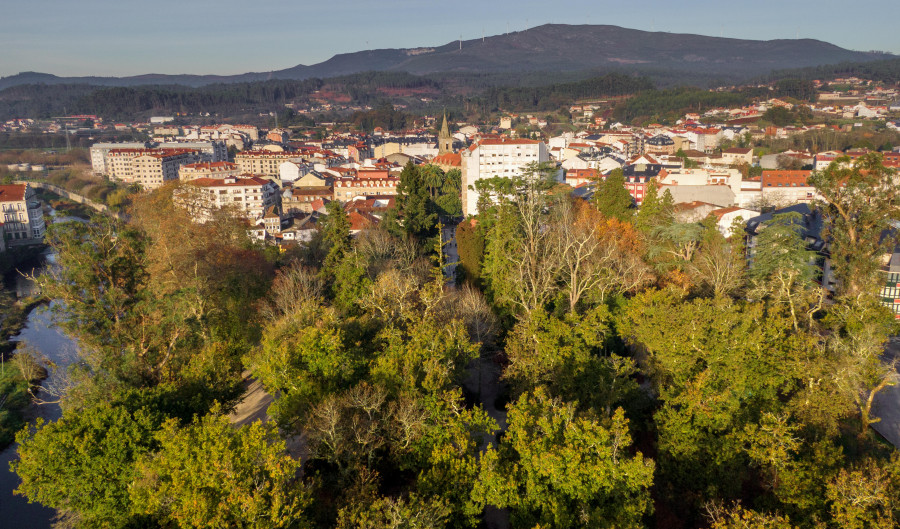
[[549, 47]]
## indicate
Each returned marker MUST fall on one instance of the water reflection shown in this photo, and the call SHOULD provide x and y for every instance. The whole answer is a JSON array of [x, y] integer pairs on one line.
[[41, 334]]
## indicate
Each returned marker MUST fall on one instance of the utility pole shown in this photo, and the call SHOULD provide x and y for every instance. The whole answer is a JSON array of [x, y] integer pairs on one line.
[[66, 128]]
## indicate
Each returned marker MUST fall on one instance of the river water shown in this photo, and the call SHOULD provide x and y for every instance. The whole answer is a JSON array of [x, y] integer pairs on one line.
[[41, 334]]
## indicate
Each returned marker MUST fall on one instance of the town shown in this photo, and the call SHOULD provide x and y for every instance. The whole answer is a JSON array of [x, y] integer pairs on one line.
[[457, 298]]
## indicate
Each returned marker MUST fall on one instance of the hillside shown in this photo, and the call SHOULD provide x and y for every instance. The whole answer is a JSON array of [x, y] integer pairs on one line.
[[547, 48]]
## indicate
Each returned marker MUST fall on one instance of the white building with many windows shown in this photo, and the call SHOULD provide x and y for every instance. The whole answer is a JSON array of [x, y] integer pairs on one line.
[[496, 157], [21, 217], [250, 196]]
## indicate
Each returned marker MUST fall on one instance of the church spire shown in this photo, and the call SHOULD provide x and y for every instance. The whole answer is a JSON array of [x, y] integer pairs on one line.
[[445, 140]]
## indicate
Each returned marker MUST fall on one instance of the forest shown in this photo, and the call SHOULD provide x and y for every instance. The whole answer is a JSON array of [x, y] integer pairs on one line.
[[884, 71], [592, 365]]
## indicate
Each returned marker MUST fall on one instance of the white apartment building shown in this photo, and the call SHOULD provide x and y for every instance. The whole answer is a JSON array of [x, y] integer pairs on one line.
[[99, 152], [262, 162], [208, 151], [21, 218], [786, 188], [249, 196], [497, 157], [294, 170], [149, 168]]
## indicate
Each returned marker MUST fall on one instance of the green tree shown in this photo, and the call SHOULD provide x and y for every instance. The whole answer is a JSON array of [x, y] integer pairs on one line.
[[611, 197], [414, 202], [558, 468], [651, 212], [211, 474], [860, 203], [336, 234], [83, 464], [783, 269]]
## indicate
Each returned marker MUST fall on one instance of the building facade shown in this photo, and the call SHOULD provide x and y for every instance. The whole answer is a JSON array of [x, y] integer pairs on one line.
[[149, 168], [251, 197], [21, 217], [505, 158]]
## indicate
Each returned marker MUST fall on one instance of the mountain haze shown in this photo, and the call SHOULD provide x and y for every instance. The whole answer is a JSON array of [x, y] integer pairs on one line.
[[547, 48]]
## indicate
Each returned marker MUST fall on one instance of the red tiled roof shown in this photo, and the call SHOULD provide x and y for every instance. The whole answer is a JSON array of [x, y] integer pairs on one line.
[[449, 158], [785, 178], [236, 182], [12, 192]]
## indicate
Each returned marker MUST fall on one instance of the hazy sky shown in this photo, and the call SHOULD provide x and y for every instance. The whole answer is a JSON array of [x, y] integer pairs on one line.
[[123, 37]]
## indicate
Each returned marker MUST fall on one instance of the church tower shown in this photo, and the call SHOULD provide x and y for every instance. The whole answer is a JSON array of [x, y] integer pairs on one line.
[[445, 140]]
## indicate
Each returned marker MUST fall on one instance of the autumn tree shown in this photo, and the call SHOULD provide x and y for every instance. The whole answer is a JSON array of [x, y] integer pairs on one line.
[[521, 259]]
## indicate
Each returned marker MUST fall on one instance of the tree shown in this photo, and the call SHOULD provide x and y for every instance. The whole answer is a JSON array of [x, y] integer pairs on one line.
[[415, 201], [568, 358], [864, 497], [521, 260], [651, 212], [470, 248], [720, 264], [336, 233], [211, 474], [612, 199], [597, 255], [860, 201], [783, 268], [860, 328], [83, 464], [556, 467]]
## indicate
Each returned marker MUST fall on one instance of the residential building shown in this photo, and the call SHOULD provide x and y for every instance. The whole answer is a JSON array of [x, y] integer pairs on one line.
[[737, 156], [501, 157], [210, 151], [300, 199], [21, 218], [250, 196], [348, 188], [99, 153], [782, 188], [193, 171], [149, 168], [263, 162]]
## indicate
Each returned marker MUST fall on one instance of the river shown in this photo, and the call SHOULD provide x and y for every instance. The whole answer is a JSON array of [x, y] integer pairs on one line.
[[41, 334]]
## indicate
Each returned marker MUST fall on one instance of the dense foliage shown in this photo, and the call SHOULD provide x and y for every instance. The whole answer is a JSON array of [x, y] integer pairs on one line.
[[597, 368]]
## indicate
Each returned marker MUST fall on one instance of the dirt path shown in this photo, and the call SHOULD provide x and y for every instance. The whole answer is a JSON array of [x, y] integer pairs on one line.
[[254, 405]]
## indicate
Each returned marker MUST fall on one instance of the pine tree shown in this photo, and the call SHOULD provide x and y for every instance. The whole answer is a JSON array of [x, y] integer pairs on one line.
[[414, 205], [650, 210], [336, 232], [612, 199]]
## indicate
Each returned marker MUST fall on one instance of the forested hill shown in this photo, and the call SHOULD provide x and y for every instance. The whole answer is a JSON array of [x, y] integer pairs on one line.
[[130, 103], [550, 47], [885, 71]]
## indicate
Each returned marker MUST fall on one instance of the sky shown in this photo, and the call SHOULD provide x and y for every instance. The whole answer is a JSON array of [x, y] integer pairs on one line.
[[124, 37]]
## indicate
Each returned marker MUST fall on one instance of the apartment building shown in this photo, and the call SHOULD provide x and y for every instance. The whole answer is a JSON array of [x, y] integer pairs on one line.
[[100, 151], [21, 218], [496, 157], [149, 168], [349, 188], [266, 163], [250, 196], [783, 188], [208, 151], [193, 171]]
